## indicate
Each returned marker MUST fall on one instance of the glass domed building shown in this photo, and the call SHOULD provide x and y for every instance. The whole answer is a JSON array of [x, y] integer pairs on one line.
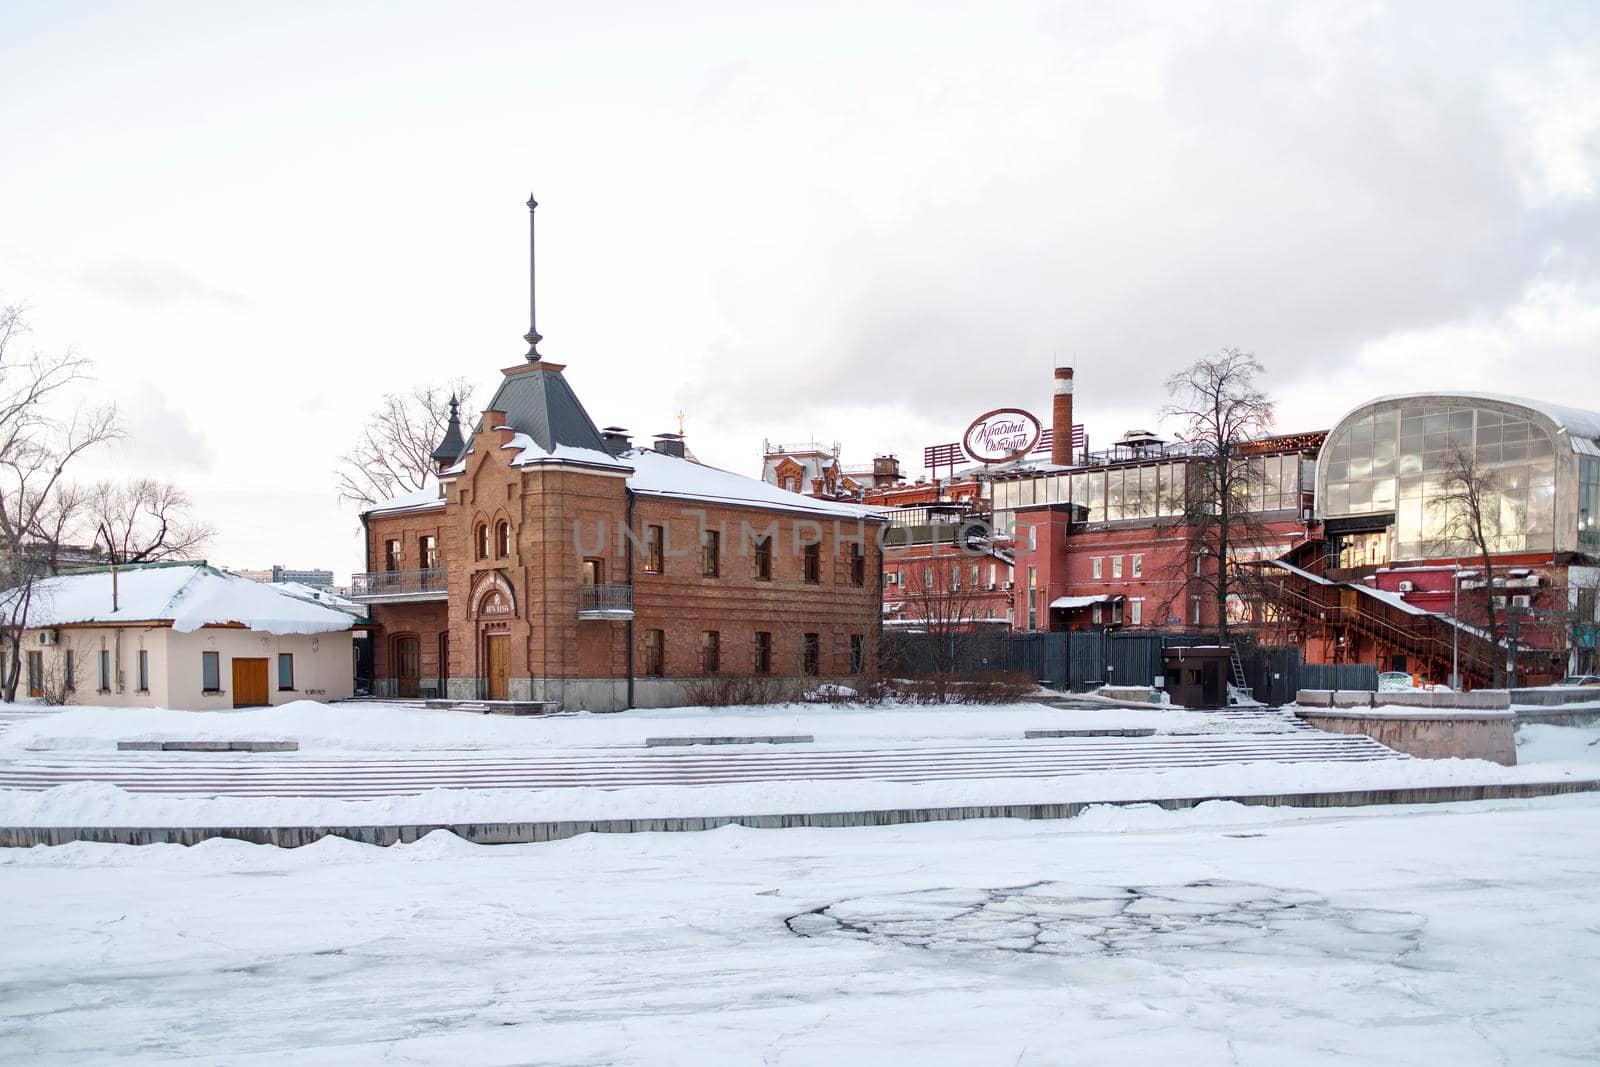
[[1381, 476]]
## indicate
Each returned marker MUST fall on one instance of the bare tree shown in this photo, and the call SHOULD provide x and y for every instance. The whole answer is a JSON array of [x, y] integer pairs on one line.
[[942, 599], [37, 445], [1220, 410], [394, 452], [1468, 505], [144, 521]]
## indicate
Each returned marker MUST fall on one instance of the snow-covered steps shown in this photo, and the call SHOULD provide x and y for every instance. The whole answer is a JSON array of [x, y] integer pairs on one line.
[[359, 778], [684, 742], [208, 746]]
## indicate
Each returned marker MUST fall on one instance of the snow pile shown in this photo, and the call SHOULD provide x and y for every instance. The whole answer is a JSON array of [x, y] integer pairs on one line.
[[188, 595], [1550, 743]]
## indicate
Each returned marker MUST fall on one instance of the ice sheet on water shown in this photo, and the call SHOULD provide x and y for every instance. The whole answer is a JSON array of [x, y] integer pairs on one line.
[[1059, 919]]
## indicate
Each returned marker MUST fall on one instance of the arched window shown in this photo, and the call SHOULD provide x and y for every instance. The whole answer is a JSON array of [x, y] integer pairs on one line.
[[481, 540], [502, 539]]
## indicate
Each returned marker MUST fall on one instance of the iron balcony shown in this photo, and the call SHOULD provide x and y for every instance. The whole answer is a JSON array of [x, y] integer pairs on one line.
[[399, 585], [605, 601]]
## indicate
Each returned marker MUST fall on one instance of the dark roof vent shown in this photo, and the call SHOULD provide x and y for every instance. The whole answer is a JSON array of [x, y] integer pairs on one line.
[[669, 444], [616, 439]]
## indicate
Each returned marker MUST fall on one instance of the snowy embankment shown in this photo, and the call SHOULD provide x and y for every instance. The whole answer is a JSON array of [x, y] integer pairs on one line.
[[377, 727], [102, 804]]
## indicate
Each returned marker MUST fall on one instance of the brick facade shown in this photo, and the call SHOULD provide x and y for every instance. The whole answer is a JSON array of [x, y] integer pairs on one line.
[[568, 518]]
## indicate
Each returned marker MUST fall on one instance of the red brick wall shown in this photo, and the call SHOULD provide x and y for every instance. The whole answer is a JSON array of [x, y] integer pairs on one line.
[[561, 515]]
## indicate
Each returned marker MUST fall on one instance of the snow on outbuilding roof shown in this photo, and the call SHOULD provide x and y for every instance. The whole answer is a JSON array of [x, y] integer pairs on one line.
[[188, 595], [658, 474]]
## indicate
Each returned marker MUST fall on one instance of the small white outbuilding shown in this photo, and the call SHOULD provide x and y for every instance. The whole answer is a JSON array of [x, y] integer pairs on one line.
[[181, 635]]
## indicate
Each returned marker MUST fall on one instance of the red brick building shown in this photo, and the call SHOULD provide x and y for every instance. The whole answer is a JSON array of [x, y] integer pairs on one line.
[[555, 562]]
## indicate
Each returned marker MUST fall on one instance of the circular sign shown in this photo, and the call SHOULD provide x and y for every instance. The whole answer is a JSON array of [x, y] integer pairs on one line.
[[1001, 436]]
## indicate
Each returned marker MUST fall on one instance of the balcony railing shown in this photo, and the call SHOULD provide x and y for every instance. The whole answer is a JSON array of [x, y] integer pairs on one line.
[[399, 585], [605, 601]]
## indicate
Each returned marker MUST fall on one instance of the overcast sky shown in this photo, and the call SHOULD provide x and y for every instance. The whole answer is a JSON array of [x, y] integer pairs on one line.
[[862, 223]]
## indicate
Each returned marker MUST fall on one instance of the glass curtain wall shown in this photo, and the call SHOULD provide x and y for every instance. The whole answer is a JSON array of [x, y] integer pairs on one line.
[[1394, 461]]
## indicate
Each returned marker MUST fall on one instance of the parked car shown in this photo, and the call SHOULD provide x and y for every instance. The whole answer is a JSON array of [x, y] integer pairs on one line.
[[1394, 682], [1580, 679]]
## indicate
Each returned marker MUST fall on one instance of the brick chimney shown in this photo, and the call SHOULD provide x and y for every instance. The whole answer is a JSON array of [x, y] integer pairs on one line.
[[1061, 419]]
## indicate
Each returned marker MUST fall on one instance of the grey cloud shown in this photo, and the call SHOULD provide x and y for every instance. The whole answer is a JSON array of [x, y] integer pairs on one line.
[[1288, 181]]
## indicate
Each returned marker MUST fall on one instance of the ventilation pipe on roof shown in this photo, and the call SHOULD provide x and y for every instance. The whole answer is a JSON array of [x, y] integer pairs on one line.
[[616, 440], [669, 444]]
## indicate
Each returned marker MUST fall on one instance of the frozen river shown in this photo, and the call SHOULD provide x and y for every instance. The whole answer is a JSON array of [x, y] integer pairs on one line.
[[1462, 935]]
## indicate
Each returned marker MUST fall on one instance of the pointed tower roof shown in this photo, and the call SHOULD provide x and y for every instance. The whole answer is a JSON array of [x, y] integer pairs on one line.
[[452, 445], [538, 401]]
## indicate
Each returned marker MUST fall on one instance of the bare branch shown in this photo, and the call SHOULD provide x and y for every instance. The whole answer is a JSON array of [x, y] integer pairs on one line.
[[393, 453]]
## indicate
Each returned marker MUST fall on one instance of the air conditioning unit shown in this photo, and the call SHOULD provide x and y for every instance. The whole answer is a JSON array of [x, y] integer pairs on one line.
[[49, 637], [1521, 601], [1406, 587], [1005, 585]]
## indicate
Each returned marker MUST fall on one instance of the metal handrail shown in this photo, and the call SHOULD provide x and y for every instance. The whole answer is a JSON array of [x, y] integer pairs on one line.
[[397, 583], [605, 598]]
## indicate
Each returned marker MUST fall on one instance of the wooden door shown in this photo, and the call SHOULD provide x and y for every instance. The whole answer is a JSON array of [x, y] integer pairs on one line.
[[497, 654], [249, 683], [408, 664]]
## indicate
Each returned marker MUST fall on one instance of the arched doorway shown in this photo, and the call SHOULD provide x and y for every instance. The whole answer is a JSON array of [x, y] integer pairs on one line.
[[408, 664]]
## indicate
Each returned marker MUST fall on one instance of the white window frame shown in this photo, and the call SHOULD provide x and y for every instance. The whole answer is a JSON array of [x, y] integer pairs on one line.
[[1116, 566], [1098, 565], [1136, 611], [1138, 565]]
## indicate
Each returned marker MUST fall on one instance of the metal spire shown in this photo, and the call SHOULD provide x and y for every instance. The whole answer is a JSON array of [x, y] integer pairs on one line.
[[532, 336]]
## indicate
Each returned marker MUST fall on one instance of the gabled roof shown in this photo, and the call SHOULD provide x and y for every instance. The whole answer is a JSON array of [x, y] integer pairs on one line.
[[187, 595], [539, 402]]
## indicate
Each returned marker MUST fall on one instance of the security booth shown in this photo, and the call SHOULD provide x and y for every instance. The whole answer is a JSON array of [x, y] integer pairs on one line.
[[1197, 676]]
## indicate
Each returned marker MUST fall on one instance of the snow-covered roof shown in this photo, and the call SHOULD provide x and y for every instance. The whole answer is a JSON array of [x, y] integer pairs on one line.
[[530, 452], [320, 596], [1292, 569], [658, 474], [1390, 598], [1576, 421], [188, 595], [1079, 601], [429, 496]]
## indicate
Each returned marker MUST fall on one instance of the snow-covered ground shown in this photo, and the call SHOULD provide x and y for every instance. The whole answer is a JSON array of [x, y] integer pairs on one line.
[[362, 726], [1463, 935], [385, 764]]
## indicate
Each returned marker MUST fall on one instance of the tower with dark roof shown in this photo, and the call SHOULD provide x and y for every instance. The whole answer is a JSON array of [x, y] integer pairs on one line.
[[451, 445]]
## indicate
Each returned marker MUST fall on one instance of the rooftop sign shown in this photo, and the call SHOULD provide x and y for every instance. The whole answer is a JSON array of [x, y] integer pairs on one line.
[[1001, 436]]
